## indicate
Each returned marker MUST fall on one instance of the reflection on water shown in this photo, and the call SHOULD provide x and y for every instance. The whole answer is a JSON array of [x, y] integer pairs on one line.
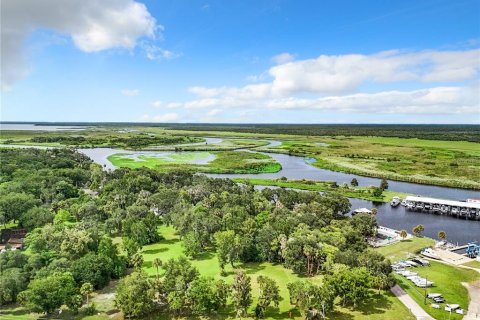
[[458, 230], [294, 167]]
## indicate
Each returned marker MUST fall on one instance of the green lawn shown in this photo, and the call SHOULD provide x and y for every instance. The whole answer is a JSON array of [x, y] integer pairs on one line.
[[473, 264], [310, 185], [403, 249], [380, 306], [447, 280]]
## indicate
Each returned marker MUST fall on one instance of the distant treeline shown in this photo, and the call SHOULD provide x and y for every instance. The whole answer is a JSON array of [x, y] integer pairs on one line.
[[431, 132], [456, 132], [135, 141]]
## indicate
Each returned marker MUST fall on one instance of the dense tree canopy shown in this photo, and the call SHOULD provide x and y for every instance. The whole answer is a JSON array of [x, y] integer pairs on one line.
[[72, 210]]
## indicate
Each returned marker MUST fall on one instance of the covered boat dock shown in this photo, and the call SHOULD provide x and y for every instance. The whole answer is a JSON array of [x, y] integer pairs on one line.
[[470, 210]]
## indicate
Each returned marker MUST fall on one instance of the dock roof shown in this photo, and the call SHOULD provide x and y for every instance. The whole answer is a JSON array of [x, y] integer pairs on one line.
[[444, 202]]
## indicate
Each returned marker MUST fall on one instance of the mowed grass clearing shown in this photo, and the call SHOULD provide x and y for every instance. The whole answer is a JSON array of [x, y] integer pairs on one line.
[[473, 264], [447, 279], [405, 249], [448, 282], [379, 306]]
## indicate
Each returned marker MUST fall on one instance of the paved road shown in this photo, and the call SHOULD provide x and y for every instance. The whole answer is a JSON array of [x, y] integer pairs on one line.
[[474, 307], [414, 308]]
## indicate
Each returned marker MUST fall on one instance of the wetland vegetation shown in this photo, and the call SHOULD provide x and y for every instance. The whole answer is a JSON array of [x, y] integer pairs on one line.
[[365, 193], [404, 153], [154, 217], [208, 162]]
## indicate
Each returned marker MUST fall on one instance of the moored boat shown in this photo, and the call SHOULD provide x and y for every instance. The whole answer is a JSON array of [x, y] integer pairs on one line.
[[395, 201], [429, 253]]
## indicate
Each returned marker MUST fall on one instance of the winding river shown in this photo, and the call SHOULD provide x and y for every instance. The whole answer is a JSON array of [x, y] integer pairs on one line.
[[294, 167]]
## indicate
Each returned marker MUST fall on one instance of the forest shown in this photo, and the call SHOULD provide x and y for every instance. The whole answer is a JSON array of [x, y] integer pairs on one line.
[[430, 132], [86, 227]]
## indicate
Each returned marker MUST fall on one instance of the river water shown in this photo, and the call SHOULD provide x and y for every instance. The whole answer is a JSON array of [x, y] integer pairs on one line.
[[294, 167], [34, 127]]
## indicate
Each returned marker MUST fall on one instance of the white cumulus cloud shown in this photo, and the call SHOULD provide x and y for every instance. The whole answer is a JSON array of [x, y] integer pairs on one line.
[[91, 24], [436, 100], [130, 92], [283, 58], [167, 117], [346, 73]]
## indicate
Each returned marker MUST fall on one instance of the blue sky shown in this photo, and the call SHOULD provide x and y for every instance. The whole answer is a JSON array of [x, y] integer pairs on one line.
[[243, 61]]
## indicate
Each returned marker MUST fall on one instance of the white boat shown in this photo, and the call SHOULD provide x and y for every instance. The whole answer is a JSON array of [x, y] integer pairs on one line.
[[404, 203], [423, 283], [455, 210], [412, 263], [395, 201], [451, 307], [361, 210], [428, 252], [407, 274]]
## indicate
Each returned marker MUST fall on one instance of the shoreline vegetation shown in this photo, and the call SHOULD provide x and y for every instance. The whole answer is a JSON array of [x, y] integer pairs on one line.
[[404, 156], [324, 186]]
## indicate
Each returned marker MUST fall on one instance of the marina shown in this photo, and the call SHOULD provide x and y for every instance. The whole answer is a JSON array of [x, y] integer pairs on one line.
[[467, 210]]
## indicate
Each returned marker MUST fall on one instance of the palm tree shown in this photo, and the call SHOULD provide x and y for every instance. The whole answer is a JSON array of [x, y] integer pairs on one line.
[[417, 230], [403, 234], [86, 289], [157, 263], [442, 235], [137, 261]]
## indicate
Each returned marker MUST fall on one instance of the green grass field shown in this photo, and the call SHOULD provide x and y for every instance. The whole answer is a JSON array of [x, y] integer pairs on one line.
[[323, 186], [447, 280], [473, 264], [380, 306], [404, 249]]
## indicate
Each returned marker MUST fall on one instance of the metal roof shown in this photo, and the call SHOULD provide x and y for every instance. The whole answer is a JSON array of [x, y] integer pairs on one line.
[[445, 202]]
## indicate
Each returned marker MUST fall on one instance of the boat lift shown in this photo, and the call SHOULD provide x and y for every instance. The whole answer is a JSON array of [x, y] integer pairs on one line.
[[473, 250]]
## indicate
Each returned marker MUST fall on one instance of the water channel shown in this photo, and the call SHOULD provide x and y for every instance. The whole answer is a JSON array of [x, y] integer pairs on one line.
[[294, 167]]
